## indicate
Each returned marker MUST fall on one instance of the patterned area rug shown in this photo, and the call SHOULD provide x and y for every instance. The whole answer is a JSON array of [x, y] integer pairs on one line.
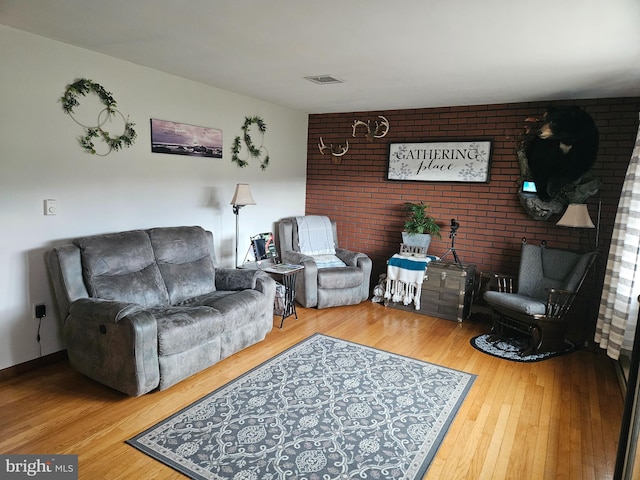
[[323, 409], [509, 348]]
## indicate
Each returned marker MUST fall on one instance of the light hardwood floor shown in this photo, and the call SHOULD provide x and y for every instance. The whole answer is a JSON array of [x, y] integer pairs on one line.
[[555, 419]]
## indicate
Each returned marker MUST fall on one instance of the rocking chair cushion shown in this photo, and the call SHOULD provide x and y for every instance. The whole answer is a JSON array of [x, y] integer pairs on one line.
[[516, 302]]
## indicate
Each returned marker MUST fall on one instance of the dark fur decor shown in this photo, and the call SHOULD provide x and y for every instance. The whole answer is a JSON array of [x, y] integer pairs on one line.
[[563, 150]]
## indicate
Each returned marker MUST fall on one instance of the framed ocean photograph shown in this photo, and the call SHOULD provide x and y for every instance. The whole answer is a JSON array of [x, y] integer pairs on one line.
[[183, 139]]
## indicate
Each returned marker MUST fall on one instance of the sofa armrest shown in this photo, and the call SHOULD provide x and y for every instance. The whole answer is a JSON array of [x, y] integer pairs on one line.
[[233, 279], [363, 262], [307, 280], [310, 271], [114, 343], [354, 259], [102, 311], [265, 284], [296, 258]]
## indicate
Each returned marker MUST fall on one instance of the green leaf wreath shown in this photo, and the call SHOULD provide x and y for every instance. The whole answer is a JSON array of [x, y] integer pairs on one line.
[[70, 100], [254, 151]]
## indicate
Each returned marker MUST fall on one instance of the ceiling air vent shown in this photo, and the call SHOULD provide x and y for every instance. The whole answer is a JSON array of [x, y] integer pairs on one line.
[[324, 79]]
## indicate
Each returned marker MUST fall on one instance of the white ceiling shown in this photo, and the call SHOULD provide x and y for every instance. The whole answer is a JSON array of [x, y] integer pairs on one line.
[[390, 54]]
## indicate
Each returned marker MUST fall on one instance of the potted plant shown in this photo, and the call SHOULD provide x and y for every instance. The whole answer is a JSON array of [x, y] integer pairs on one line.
[[419, 227]]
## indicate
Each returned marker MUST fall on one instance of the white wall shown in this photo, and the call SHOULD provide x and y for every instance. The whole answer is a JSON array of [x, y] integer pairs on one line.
[[40, 158]]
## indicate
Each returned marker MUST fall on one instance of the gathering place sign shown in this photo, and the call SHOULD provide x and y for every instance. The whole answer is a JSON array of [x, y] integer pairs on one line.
[[465, 161]]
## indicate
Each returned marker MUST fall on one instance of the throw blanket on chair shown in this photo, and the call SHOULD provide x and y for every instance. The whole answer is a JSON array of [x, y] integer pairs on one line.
[[404, 278], [315, 235]]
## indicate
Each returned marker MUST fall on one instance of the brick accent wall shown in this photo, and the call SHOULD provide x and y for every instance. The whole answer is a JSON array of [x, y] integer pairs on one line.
[[369, 208]]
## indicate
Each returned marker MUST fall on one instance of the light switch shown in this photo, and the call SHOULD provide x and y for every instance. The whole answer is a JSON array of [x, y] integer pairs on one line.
[[50, 207]]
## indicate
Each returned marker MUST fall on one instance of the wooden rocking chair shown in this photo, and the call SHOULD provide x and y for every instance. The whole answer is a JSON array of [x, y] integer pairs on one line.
[[548, 282]]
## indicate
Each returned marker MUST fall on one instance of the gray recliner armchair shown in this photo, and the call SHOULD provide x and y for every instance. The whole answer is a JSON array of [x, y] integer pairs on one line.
[[548, 282], [332, 276]]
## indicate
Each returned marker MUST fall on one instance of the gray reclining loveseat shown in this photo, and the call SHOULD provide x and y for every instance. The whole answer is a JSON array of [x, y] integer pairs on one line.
[[145, 309]]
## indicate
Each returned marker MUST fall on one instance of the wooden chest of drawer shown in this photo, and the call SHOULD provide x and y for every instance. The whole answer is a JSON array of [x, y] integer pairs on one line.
[[447, 291]]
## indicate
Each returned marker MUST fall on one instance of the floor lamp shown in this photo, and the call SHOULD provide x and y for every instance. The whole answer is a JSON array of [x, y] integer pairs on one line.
[[577, 216], [241, 197]]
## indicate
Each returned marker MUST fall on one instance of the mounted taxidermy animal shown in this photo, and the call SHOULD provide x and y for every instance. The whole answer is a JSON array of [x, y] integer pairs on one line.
[[564, 149]]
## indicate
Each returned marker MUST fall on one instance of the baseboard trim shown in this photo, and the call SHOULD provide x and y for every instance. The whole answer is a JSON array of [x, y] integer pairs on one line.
[[32, 365]]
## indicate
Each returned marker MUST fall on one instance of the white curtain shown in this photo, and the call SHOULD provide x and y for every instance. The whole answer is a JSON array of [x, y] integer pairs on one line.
[[617, 317]]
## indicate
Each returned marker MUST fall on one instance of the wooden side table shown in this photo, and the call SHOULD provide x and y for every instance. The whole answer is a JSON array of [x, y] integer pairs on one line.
[[288, 273]]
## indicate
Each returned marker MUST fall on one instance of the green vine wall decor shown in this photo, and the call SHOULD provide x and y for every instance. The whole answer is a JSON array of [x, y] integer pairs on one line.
[[254, 151], [70, 101]]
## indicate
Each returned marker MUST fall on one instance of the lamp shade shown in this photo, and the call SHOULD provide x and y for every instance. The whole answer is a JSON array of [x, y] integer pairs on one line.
[[242, 195], [576, 216]]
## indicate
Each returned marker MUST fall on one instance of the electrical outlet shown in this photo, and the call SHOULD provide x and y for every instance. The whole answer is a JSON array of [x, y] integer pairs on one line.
[[40, 310], [50, 206], [33, 308]]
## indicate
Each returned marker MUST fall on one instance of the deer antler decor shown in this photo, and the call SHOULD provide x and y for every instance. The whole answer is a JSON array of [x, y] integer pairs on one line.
[[337, 151], [381, 128]]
